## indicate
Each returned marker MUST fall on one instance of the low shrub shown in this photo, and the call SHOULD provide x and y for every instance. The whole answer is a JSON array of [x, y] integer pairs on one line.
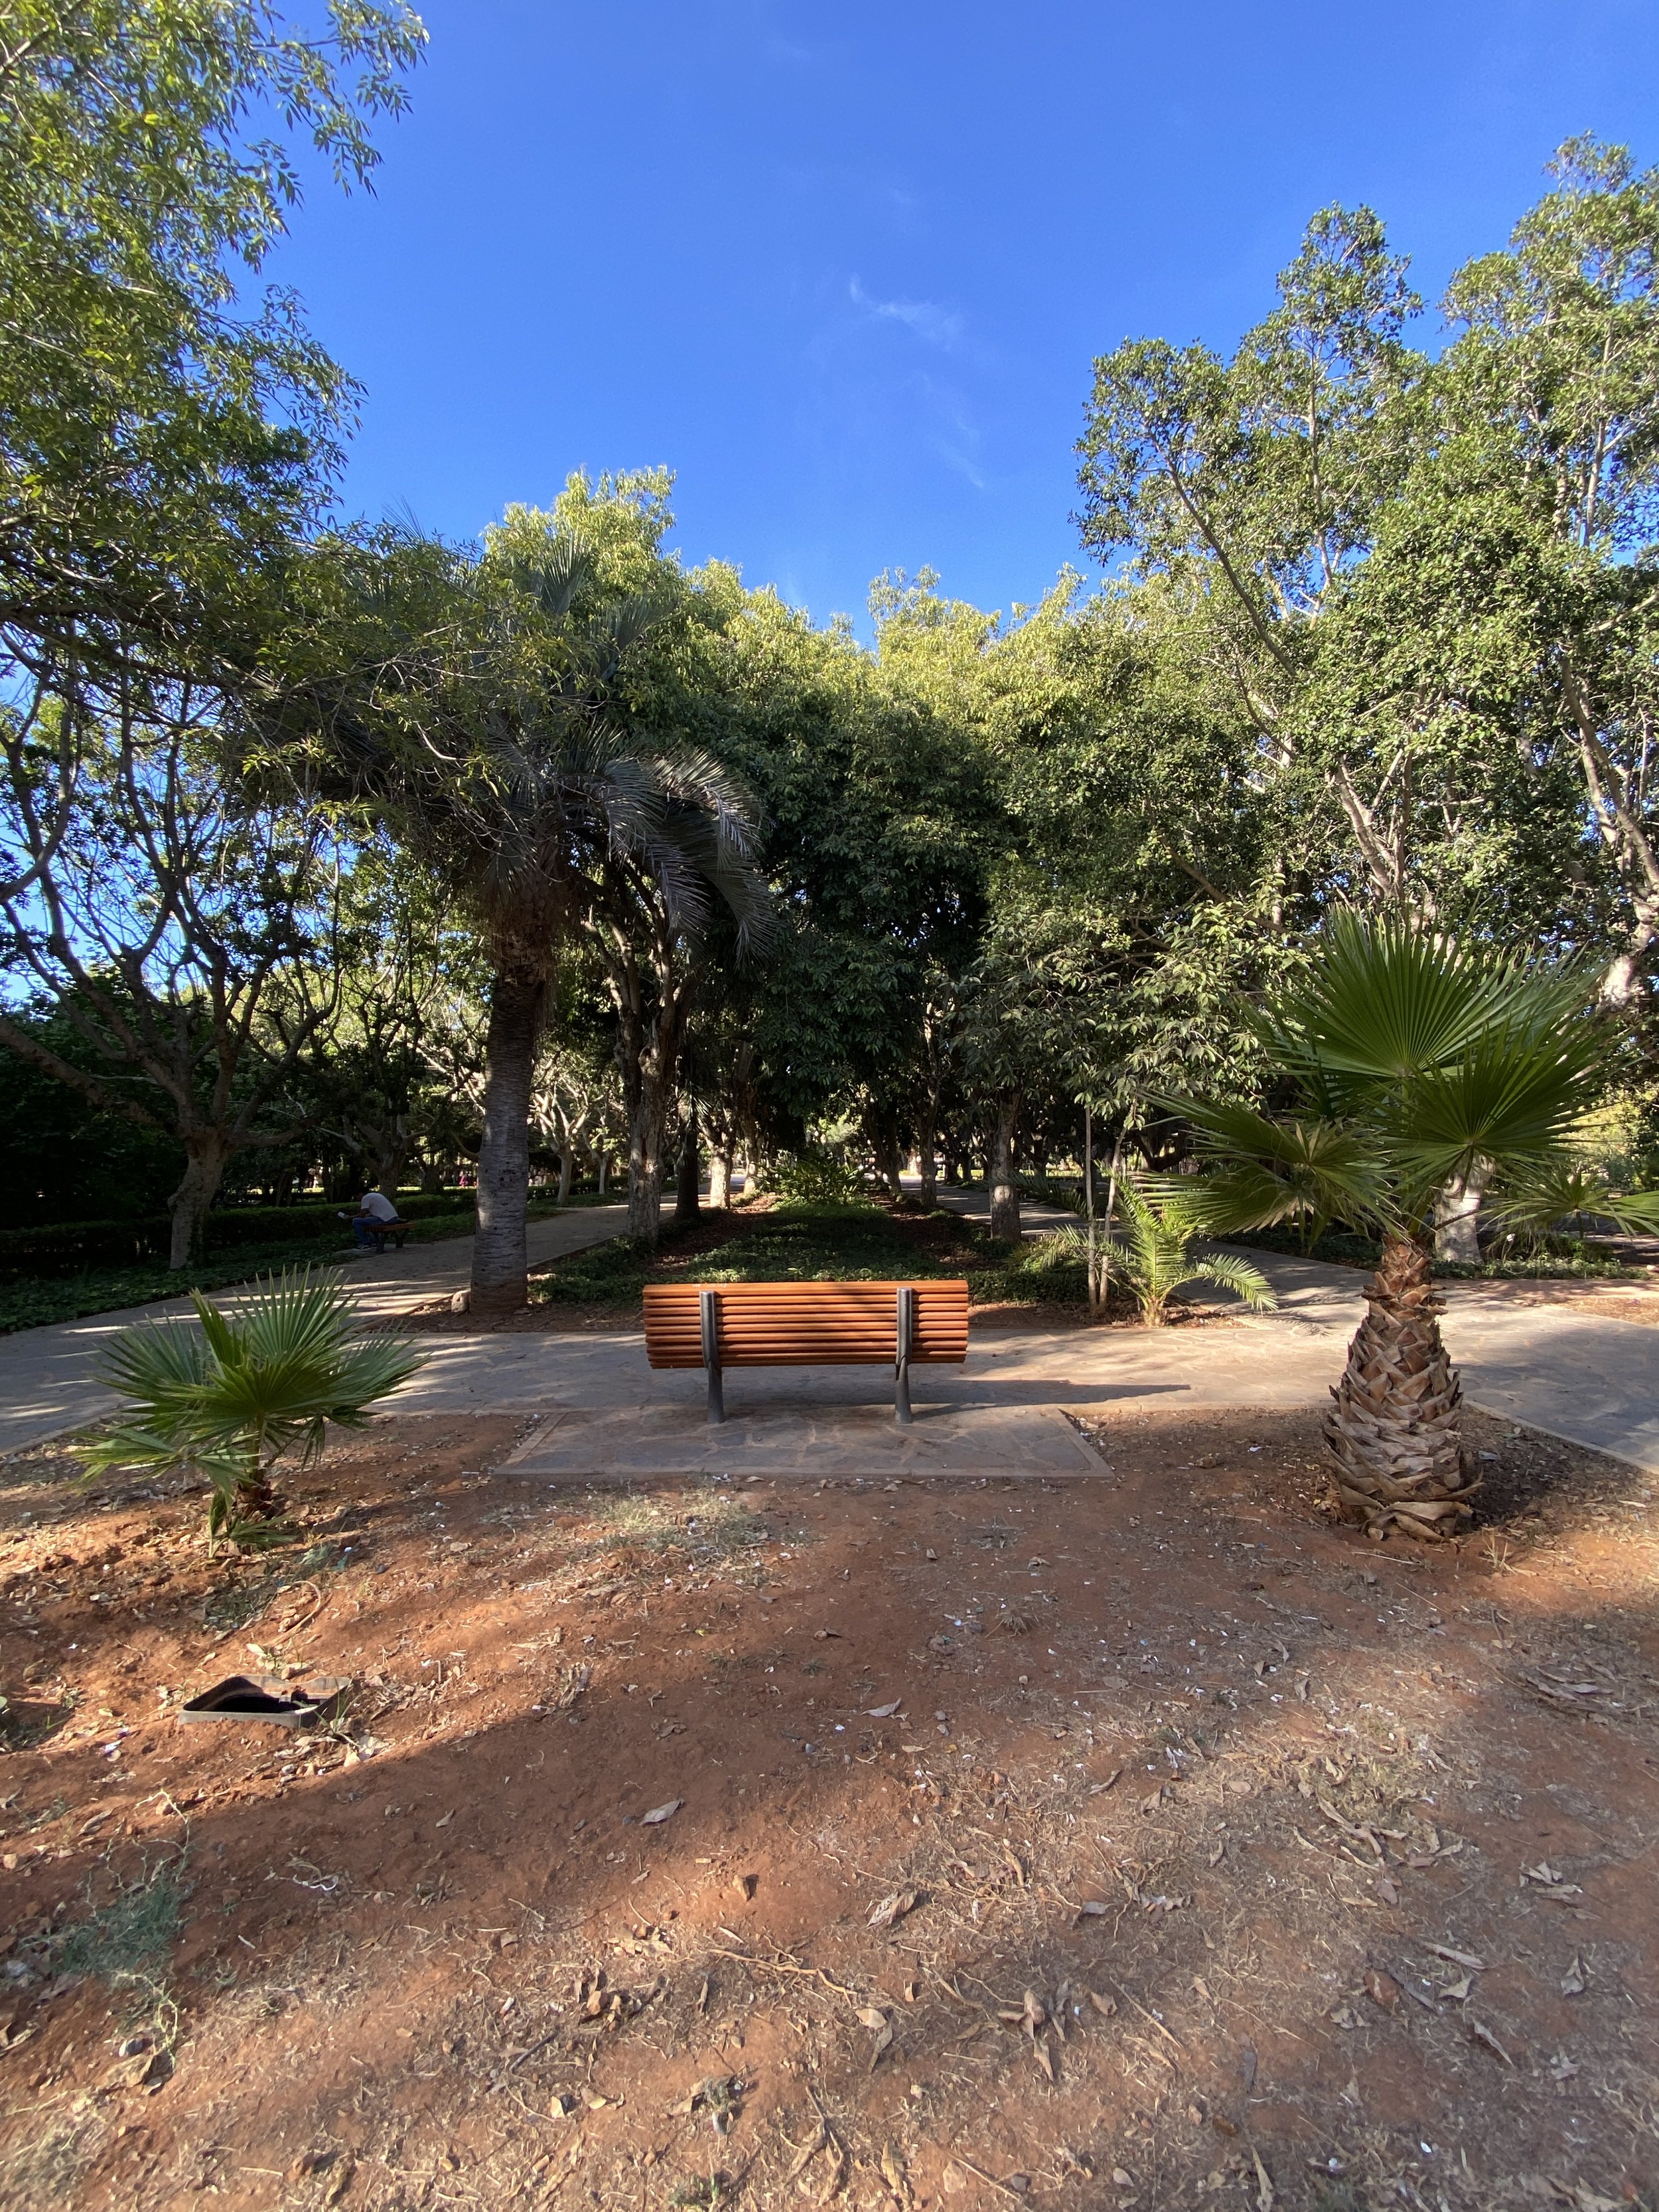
[[814, 1179], [66, 1247]]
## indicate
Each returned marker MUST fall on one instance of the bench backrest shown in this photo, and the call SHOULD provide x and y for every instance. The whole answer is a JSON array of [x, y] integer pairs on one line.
[[805, 1324]]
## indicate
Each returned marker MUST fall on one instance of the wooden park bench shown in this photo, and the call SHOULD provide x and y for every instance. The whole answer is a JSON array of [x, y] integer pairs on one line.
[[382, 1233], [806, 1325]]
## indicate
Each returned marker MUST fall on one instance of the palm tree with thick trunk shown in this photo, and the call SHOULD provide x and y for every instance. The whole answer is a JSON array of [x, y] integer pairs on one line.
[[1418, 1062], [494, 735]]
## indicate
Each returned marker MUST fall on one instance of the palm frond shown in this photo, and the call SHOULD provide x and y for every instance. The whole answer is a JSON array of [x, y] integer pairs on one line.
[[1245, 1281], [227, 1395]]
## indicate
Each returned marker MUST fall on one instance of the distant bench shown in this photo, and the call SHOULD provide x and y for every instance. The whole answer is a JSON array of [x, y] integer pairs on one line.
[[382, 1233], [899, 1325]]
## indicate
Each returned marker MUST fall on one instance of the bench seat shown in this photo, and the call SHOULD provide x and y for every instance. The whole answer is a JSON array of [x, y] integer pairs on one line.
[[725, 1325]]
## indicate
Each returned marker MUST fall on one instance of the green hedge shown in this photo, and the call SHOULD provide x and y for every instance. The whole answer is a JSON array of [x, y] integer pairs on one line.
[[68, 1247]]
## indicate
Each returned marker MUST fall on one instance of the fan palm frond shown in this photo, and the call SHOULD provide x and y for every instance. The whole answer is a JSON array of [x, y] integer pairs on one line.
[[227, 1396]]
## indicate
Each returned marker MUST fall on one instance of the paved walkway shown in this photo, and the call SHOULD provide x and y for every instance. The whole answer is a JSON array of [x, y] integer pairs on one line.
[[47, 1379], [1589, 1378], [1585, 1376]]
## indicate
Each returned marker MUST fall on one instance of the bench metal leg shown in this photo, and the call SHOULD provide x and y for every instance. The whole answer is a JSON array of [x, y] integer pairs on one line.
[[709, 1312], [905, 1329]]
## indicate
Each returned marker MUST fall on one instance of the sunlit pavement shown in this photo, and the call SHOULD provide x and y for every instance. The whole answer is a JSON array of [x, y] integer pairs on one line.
[[48, 1381], [1592, 1380]]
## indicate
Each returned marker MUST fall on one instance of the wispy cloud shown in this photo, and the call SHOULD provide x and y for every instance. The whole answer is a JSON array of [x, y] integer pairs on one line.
[[933, 324]]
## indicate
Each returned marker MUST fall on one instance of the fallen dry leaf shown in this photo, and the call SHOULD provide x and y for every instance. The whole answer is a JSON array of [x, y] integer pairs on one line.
[[892, 1909], [660, 1813], [1383, 1989], [1264, 2192], [1481, 2033], [1572, 1982], [884, 1712]]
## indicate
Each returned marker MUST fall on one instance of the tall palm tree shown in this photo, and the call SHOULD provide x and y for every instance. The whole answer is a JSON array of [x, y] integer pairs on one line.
[[487, 719], [1414, 1060]]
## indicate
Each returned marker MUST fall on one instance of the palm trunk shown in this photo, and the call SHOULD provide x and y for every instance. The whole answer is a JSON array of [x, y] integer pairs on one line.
[[685, 1185], [1005, 1191], [205, 1156], [1395, 1431], [501, 1254]]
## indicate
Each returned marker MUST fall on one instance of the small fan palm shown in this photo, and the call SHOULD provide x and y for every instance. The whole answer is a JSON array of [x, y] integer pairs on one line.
[[1153, 1250], [1417, 1061], [226, 1396]]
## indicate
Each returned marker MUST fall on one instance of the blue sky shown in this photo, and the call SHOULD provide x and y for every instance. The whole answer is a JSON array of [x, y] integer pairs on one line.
[[845, 267]]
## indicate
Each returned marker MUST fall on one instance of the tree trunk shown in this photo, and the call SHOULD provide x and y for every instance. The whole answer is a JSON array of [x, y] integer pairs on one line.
[[431, 1175], [884, 1145], [566, 1173], [1005, 1191], [205, 1158], [1396, 1431], [720, 1176], [1457, 1216], [647, 1127], [685, 1189], [391, 1155], [927, 1169], [500, 1255], [603, 1171]]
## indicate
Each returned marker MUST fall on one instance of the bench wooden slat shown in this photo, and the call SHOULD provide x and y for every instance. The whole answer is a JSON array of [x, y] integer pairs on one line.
[[805, 1324]]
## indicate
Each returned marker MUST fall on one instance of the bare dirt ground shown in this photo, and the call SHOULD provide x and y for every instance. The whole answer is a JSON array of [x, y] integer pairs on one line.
[[1144, 1842]]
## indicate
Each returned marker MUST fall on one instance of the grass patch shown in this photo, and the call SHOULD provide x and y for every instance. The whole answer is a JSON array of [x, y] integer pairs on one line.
[[717, 1526], [803, 1242], [233, 1603], [127, 1938]]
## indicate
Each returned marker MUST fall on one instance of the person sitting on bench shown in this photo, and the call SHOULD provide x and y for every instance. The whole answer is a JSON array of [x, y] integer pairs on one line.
[[375, 1214]]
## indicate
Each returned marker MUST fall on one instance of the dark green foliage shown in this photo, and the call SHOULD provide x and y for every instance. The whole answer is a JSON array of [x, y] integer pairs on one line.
[[62, 1159], [67, 1248]]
